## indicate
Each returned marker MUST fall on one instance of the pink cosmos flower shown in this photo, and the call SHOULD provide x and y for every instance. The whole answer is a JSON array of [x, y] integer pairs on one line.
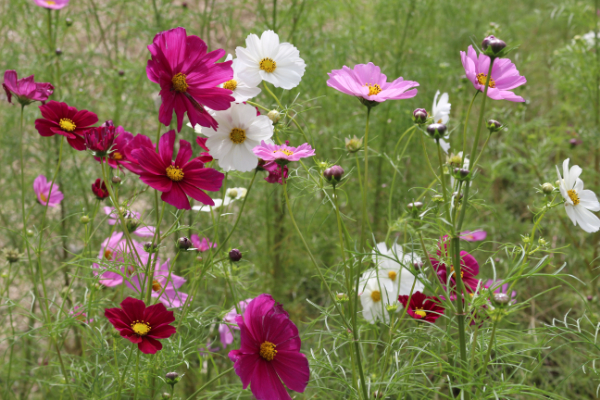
[[475, 236], [270, 351], [129, 147], [41, 187], [79, 314], [469, 270], [284, 153], [225, 329], [165, 287], [367, 82], [26, 90], [179, 178], [61, 119], [500, 287], [202, 245], [505, 75], [52, 4], [277, 173], [188, 77], [141, 230], [116, 254]]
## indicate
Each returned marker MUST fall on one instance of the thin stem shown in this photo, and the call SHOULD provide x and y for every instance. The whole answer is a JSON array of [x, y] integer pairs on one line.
[[466, 126], [427, 159], [275, 15], [489, 352], [460, 314], [365, 186], [443, 180], [481, 112], [209, 382], [391, 196], [289, 116]]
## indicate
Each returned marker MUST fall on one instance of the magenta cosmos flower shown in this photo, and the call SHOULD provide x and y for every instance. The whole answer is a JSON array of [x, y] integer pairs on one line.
[[117, 259], [179, 178], [202, 245], [26, 89], [165, 286], [269, 351], [475, 236], [142, 325], [277, 173], [226, 328], [427, 308], [52, 4], [282, 153], [130, 160], [188, 77], [367, 82], [469, 270], [505, 75], [61, 119], [41, 187]]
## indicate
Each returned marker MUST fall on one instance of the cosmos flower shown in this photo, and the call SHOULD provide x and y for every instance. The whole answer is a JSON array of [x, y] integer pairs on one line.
[[376, 294], [270, 351], [188, 77], [266, 59], [469, 270], [367, 82], [127, 148], [100, 140], [284, 153], [179, 178], [117, 158], [240, 90], [226, 328], [41, 187], [426, 308], [277, 173], [140, 230], [202, 245], [500, 287], [142, 325], [79, 314], [240, 130], [475, 236], [204, 157], [117, 255], [440, 112], [100, 190], [52, 4], [579, 203], [61, 119], [25, 89], [391, 264], [505, 76], [165, 285]]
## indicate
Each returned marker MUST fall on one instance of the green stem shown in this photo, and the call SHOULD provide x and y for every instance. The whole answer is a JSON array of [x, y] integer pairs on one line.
[[289, 116], [391, 196], [460, 314], [466, 126], [443, 180], [365, 186], [481, 112], [209, 382], [137, 376], [489, 352], [427, 159]]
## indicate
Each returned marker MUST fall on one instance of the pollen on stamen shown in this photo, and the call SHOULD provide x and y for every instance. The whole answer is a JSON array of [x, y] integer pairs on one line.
[[573, 196], [230, 85], [376, 296], [179, 82], [267, 64], [482, 78], [175, 173], [67, 124], [419, 311], [267, 351]]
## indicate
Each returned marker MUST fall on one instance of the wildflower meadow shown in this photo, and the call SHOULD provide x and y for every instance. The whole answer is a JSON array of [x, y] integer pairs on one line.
[[299, 199]]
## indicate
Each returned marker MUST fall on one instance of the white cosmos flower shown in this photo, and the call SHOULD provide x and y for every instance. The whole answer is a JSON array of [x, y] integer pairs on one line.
[[240, 130], [376, 294], [218, 204], [241, 90], [392, 264], [267, 59], [237, 193], [440, 112], [579, 203]]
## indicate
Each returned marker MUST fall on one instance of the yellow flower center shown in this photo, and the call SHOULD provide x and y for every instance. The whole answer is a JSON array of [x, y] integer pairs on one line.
[[231, 85], [108, 254], [156, 286], [179, 83], [140, 327], [67, 124], [267, 65], [285, 151], [44, 197], [482, 78], [174, 173], [373, 89], [237, 135], [376, 296], [573, 195], [392, 275], [419, 311], [116, 156], [50, 2], [267, 351], [462, 273]]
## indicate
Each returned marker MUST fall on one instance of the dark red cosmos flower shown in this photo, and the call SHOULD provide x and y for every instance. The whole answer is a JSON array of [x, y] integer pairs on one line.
[[204, 157], [99, 189], [179, 178], [423, 307], [26, 89], [100, 139], [269, 351], [142, 325], [188, 77], [468, 265], [61, 119]]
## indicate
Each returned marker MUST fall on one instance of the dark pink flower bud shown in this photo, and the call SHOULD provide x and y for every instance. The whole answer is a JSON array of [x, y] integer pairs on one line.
[[492, 46], [100, 139], [436, 131], [334, 174], [235, 255], [99, 189], [420, 116]]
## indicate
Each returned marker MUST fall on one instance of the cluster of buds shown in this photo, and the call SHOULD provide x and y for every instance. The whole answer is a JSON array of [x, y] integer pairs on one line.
[[494, 47], [12, 255], [333, 174], [437, 131], [99, 140]]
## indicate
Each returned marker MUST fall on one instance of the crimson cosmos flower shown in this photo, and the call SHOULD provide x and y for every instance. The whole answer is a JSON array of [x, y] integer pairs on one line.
[[204, 157], [469, 270], [116, 158], [61, 119], [178, 178], [99, 189], [423, 307], [100, 139], [269, 351], [26, 90], [188, 77], [142, 325], [128, 147]]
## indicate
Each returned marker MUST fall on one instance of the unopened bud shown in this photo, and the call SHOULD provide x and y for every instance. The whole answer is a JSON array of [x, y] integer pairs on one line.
[[166, 396], [172, 378], [184, 4], [492, 46], [235, 255], [116, 180], [457, 195], [494, 126], [68, 22], [84, 219], [58, 52], [353, 145], [501, 298], [547, 188], [30, 233], [232, 193], [420, 116], [184, 243], [149, 247], [334, 174], [391, 307], [132, 224], [414, 206], [341, 297], [418, 265], [436, 131], [12, 255], [121, 72], [590, 297], [461, 173], [274, 116]]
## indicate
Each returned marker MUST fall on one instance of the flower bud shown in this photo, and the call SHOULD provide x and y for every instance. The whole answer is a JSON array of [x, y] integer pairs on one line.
[[590, 297], [184, 243], [116, 180], [184, 4], [30, 233], [274, 116], [436, 131], [235, 255], [547, 188], [418, 265], [12, 255], [166, 396], [232, 193], [150, 247], [84, 219], [172, 378], [415, 206], [457, 195], [461, 173], [501, 298], [420, 116], [121, 72], [58, 52], [492, 46], [342, 297], [100, 190], [334, 174], [68, 22], [494, 126], [353, 145], [99, 140], [132, 224]]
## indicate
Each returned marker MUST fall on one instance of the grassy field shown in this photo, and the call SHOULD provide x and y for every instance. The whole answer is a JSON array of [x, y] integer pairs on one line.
[[95, 55]]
